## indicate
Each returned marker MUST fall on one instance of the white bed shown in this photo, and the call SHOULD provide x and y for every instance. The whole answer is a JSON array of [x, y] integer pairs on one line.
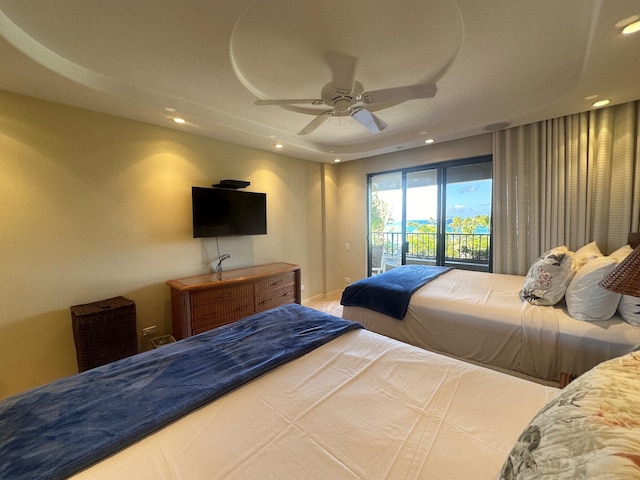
[[360, 407], [351, 404], [479, 317]]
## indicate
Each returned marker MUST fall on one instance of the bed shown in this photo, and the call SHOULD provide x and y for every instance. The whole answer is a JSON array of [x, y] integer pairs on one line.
[[353, 404], [321, 398], [480, 317]]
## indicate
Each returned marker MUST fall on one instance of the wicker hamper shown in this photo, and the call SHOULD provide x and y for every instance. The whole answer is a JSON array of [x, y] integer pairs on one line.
[[104, 331]]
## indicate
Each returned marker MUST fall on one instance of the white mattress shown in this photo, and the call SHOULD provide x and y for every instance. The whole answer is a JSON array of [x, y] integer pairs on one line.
[[362, 406], [479, 317]]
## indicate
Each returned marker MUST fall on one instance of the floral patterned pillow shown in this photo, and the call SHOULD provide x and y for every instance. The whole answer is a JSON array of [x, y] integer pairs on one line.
[[590, 431], [548, 277]]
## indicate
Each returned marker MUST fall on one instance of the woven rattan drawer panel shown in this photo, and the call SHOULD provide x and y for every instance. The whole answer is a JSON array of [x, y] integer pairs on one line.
[[208, 297], [275, 298], [208, 301], [275, 282], [221, 313]]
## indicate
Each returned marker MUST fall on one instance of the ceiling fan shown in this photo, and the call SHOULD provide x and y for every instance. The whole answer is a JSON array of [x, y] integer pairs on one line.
[[346, 97]]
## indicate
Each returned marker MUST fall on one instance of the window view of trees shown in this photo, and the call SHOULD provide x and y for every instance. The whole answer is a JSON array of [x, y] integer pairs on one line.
[[466, 237]]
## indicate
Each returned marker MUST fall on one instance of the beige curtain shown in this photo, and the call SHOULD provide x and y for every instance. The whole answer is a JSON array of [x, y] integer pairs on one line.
[[566, 181]]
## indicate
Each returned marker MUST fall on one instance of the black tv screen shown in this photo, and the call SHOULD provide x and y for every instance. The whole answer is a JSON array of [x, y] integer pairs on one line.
[[220, 212]]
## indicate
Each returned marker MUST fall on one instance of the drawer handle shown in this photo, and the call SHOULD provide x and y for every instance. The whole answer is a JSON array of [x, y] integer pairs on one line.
[[286, 294]]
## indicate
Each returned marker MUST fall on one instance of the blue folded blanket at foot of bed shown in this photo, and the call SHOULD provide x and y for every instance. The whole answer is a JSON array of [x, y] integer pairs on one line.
[[60, 428], [390, 292]]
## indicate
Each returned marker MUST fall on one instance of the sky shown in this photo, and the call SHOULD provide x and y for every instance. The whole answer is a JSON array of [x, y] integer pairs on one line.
[[464, 199]]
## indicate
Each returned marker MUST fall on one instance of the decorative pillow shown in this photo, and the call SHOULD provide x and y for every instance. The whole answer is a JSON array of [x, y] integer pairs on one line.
[[629, 309], [591, 430], [622, 253], [548, 277], [586, 299], [586, 254]]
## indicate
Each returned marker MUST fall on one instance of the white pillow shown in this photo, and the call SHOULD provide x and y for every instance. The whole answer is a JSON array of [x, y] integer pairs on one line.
[[629, 309], [586, 254], [586, 299], [622, 253], [548, 277]]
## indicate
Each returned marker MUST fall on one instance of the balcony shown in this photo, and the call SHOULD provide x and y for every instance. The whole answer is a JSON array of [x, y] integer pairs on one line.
[[462, 250]]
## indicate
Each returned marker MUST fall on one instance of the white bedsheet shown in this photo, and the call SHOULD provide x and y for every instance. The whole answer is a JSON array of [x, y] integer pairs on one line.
[[360, 407], [479, 317]]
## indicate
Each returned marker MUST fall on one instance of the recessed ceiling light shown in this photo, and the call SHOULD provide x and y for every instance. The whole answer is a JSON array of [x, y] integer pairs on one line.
[[630, 25], [170, 109], [337, 160], [179, 120], [591, 97], [632, 28], [601, 103], [278, 145], [429, 140]]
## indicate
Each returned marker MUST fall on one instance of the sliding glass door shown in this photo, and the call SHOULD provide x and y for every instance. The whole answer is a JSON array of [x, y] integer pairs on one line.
[[433, 215]]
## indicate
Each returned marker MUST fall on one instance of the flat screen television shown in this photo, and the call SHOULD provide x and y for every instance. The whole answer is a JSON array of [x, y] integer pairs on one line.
[[221, 212]]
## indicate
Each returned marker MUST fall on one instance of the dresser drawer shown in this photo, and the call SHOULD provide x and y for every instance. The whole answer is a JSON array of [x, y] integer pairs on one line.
[[275, 282], [208, 297], [275, 298], [210, 300], [221, 313]]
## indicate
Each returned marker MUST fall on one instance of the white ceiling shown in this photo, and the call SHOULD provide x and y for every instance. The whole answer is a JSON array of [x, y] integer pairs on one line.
[[494, 62]]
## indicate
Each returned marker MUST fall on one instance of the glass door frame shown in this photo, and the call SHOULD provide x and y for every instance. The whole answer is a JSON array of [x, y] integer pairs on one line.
[[441, 169]]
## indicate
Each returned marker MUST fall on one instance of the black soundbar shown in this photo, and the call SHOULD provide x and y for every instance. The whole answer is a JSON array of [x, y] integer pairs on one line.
[[232, 184]]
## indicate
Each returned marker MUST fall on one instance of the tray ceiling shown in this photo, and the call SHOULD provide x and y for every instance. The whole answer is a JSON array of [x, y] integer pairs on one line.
[[494, 63]]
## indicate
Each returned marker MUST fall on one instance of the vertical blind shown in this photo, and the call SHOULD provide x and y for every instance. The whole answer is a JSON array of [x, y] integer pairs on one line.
[[566, 181]]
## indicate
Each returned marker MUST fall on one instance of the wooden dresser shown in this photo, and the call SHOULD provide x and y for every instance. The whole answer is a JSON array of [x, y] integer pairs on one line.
[[207, 301]]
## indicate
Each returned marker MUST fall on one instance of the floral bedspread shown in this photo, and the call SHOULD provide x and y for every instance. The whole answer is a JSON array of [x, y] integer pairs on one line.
[[590, 431]]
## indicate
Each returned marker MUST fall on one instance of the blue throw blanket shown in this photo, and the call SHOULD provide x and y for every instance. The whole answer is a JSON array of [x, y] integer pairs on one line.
[[389, 293], [60, 428]]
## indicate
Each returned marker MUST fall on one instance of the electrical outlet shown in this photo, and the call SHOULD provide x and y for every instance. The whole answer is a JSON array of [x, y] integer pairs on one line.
[[149, 331], [347, 279]]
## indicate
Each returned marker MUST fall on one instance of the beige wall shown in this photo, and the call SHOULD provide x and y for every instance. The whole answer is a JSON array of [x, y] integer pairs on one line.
[[352, 193], [94, 206]]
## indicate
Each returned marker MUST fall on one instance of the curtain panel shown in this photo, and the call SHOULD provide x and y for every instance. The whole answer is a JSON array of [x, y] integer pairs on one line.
[[566, 181]]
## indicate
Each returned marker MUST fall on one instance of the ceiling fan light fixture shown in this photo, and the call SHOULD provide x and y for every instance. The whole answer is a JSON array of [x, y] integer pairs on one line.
[[344, 96]]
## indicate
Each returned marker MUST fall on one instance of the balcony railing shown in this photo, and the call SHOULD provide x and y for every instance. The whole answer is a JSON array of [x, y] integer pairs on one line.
[[459, 247]]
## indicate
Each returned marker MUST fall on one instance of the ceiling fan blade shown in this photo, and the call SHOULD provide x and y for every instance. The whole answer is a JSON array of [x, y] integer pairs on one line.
[[294, 101], [343, 69], [315, 123], [369, 120], [400, 94]]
